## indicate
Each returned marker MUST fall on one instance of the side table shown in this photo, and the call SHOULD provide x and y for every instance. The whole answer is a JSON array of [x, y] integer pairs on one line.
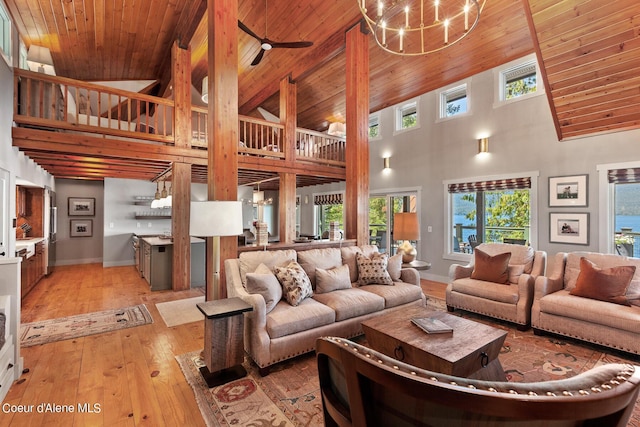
[[418, 265], [223, 340]]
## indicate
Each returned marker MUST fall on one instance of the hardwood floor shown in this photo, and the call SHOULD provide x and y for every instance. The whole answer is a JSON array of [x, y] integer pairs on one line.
[[131, 374]]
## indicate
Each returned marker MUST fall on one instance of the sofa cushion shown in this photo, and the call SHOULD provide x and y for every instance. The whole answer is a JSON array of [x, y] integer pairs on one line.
[[325, 258], [348, 303], [401, 293], [572, 268], [333, 279], [491, 268], [605, 284], [373, 270], [286, 320], [264, 282], [394, 267], [296, 285], [596, 312], [487, 290], [349, 257], [249, 261]]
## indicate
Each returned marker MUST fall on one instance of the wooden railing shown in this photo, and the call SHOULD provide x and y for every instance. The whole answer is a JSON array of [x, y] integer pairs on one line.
[[320, 148], [52, 102], [55, 102]]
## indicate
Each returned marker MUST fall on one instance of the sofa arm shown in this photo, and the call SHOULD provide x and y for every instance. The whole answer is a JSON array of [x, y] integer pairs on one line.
[[235, 289], [457, 271], [410, 275], [546, 285]]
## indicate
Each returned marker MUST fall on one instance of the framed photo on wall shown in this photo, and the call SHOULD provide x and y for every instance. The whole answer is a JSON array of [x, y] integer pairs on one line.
[[568, 191], [82, 206], [81, 228], [570, 228]]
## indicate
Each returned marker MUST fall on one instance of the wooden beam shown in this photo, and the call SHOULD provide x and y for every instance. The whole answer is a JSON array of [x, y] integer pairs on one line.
[[287, 199], [357, 155], [222, 122], [181, 200]]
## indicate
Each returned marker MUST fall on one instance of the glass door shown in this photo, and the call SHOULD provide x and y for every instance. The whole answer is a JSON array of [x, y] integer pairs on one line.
[[381, 210]]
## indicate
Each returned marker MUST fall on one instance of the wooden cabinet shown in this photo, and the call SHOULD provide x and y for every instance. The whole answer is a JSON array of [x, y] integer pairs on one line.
[[32, 269]]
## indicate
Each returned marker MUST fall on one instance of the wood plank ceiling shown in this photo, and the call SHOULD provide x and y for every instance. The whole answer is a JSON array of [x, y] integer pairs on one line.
[[591, 69]]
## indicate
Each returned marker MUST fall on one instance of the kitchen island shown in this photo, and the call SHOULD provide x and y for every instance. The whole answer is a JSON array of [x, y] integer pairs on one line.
[[156, 262]]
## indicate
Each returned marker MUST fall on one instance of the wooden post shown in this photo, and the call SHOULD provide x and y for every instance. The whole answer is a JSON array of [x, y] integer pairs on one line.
[[357, 152], [287, 199], [181, 176], [222, 122]]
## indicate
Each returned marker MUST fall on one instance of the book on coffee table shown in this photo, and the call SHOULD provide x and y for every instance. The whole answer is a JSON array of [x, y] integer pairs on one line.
[[431, 325]]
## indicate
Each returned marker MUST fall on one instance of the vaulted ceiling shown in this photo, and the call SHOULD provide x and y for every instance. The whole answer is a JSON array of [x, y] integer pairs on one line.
[[589, 52]]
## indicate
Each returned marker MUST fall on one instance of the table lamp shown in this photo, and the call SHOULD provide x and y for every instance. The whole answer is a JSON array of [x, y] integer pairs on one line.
[[215, 219], [406, 227]]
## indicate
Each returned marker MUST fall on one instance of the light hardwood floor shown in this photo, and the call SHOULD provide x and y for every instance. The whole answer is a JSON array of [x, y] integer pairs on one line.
[[132, 373]]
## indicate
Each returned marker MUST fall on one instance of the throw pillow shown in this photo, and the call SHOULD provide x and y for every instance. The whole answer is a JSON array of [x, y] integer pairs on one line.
[[605, 284], [264, 282], [491, 268], [332, 279], [296, 285], [394, 267], [373, 270]]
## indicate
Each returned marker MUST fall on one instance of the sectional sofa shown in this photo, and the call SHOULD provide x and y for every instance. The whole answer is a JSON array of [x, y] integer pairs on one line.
[[343, 295]]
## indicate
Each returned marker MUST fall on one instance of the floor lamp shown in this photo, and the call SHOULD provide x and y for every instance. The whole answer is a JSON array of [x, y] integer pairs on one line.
[[215, 219]]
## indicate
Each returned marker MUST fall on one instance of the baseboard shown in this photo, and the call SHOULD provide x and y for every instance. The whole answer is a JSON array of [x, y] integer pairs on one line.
[[60, 263], [118, 263], [434, 277]]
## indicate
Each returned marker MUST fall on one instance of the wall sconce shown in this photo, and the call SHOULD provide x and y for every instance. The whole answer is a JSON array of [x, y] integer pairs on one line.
[[205, 89], [483, 145], [386, 163]]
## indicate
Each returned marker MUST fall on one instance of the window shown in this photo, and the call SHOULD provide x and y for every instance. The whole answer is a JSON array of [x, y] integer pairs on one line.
[[453, 101], [490, 210], [620, 218], [381, 210], [407, 116], [5, 33], [518, 80], [329, 208], [22, 61], [374, 126]]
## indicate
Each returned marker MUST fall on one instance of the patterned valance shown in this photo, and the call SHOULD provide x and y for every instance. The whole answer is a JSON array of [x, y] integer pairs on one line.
[[328, 199], [621, 176], [498, 184]]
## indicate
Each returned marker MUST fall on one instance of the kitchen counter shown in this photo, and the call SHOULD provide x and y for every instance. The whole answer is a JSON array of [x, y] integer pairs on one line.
[[29, 244], [157, 241], [156, 265]]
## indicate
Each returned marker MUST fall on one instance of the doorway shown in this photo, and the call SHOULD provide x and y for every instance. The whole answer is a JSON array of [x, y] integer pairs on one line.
[[381, 210]]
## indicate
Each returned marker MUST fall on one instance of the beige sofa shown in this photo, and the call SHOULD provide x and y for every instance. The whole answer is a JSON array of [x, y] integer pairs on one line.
[[509, 301], [605, 323], [287, 331]]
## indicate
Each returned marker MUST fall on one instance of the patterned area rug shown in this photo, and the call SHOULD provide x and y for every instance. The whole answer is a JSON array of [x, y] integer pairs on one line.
[[290, 394], [65, 328]]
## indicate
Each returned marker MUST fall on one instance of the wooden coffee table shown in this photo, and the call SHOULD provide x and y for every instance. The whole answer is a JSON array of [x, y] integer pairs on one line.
[[471, 351]]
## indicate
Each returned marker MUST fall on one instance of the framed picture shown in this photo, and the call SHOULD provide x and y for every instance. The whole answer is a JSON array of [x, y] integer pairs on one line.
[[568, 190], [570, 228], [82, 206], [81, 227]]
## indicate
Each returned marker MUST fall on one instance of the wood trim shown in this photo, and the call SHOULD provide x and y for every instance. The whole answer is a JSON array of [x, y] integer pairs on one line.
[[180, 214]]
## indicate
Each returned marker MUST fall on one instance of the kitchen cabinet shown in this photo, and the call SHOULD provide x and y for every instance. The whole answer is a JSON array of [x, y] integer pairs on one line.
[[32, 268], [157, 262]]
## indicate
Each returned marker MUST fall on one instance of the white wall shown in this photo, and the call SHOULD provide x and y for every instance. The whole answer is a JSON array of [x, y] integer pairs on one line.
[[522, 138]]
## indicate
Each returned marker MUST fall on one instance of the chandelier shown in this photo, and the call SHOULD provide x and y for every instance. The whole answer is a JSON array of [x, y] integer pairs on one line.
[[420, 27]]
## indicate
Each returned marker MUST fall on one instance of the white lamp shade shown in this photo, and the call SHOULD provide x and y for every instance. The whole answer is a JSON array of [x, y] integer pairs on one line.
[[40, 55], [258, 196], [215, 218], [337, 129]]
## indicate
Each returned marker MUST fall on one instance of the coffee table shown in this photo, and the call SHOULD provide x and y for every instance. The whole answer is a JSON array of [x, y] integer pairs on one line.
[[471, 351]]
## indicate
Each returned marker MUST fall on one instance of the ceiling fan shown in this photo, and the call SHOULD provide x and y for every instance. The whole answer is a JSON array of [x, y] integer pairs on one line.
[[266, 44]]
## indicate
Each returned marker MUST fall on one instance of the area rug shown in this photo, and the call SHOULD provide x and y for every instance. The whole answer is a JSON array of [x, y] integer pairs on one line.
[[81, 325], [290, 394], [180, 311]]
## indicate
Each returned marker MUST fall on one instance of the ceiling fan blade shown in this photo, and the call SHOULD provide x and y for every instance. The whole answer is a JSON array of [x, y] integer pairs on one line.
[[258, 57], [248, 31], [291, 45]]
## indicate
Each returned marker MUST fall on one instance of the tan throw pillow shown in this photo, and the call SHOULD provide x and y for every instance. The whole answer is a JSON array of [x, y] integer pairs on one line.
[[332, 279], [491, 268], [394, 267], [264, 282], [605, 284], [296, 285], [373, 270]]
